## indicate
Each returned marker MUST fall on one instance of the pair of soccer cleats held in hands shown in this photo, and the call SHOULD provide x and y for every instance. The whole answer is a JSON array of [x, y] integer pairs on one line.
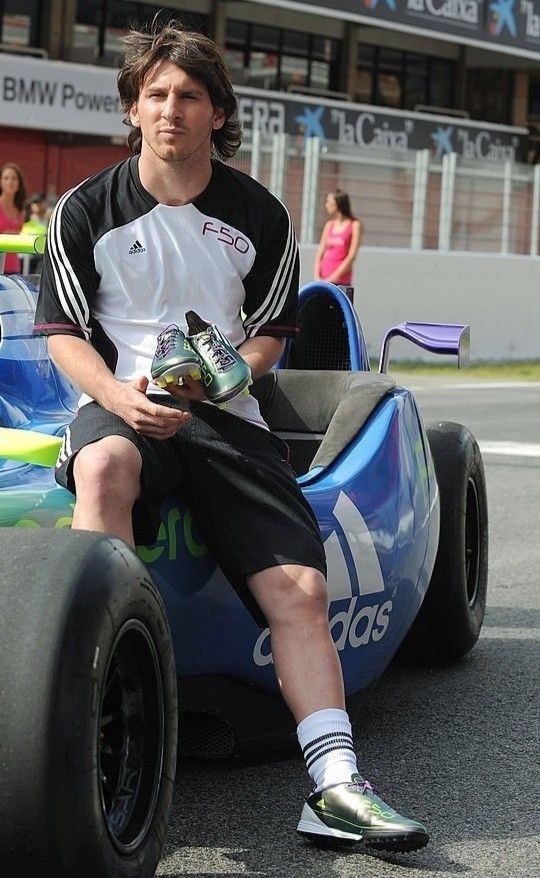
[[206, 355]]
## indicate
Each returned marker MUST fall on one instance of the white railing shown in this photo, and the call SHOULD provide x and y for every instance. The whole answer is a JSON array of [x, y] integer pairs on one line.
[[408, 200]]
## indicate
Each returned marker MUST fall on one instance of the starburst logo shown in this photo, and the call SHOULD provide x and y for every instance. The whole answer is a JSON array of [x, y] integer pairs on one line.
[[502, 15], [372, 4], [443, 140], [310, 122]]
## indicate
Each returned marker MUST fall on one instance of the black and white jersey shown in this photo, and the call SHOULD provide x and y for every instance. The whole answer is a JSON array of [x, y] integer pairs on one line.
[[120, 266]]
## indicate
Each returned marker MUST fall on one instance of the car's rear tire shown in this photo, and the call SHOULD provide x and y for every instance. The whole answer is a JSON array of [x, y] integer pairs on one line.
[[450, 618], [88, 713]]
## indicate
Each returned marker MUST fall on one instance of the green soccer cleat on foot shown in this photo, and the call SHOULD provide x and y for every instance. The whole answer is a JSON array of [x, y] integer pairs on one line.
[[174, 358], [224, 372], [352, 812]]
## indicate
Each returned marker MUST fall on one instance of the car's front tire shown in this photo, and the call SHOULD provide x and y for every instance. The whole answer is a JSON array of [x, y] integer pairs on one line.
[[88, 714], [450, 618]]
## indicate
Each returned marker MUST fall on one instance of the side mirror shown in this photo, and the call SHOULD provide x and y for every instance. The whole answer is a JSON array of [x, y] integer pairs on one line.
[[438, 338]]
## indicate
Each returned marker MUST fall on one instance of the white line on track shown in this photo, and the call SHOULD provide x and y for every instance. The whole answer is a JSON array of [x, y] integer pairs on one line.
[[478, 385], [511, 449]]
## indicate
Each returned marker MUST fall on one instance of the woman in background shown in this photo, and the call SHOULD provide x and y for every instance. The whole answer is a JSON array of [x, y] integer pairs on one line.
[[12, 204], [36, 222], [340, 240]]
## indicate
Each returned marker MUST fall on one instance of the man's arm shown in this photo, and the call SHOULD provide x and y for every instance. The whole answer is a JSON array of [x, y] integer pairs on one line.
[[261, 352], [272, 283], [85, 368]]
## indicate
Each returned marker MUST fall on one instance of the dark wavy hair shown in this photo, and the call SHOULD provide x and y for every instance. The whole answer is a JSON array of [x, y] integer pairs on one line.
[[20, 195], [194, 53], [343, 203]]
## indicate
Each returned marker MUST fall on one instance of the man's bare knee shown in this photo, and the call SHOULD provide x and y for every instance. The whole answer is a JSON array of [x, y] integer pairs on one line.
[[291, 593], [108, 466]]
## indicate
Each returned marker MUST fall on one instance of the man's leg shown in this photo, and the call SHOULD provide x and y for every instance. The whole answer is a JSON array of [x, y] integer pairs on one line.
[[294, 601], [107, 480]]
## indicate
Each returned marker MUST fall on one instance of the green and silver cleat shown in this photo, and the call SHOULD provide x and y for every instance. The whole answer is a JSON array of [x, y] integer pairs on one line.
[[352, 812], [174, 359], [224, 373]]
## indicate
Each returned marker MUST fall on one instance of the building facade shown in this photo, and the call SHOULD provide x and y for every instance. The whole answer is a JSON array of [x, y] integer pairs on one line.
[[446, 75]]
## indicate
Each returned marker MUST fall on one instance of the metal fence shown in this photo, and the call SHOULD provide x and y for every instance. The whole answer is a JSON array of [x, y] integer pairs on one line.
[[406, 199]]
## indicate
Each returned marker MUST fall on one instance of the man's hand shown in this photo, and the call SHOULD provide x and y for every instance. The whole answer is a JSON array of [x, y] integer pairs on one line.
[[189, 389], [87, 370], [129, 401]]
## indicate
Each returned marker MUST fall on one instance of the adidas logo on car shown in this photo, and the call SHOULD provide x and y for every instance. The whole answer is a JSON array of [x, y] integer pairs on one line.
[[136, 247], [354, 624]]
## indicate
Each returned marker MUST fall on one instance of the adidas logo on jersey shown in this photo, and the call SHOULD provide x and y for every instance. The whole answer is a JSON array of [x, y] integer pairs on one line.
[[136, 247]]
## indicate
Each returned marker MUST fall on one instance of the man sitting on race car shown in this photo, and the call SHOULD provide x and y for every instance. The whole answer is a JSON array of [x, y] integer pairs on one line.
[[130, 251]]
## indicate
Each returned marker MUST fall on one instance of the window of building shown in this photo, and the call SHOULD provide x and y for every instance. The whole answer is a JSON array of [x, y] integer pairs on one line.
[[280, 59], [416, 81], [389, 80], [489, 94], [86, 32], [440, 83], [534, 97], [402, 80], [100, 25], [20, 22], [118, 17]]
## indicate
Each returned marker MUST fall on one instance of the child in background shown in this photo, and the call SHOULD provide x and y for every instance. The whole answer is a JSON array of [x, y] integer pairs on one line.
[[37, 220]]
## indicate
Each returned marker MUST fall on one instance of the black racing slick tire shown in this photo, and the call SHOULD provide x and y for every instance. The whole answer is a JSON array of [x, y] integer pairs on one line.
[[88, 712], [450, 618]]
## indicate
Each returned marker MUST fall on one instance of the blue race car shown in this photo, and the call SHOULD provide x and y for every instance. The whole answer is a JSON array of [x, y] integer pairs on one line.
[[96, 640]]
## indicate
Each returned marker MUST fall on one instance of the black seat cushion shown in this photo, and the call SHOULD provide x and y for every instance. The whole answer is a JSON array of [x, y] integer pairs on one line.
[[321, 411]]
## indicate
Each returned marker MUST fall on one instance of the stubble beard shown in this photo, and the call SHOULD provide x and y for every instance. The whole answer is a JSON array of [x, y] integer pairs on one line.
[[173, 155]]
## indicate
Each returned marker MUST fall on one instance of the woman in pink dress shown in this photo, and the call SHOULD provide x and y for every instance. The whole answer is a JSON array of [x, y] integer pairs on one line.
[[12, 204], [340, 240]]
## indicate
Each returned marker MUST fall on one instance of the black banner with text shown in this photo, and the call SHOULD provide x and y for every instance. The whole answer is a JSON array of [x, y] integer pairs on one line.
[[503, 24], [371, 128]]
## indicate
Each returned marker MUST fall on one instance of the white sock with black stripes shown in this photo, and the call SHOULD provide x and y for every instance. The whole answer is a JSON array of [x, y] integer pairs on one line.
[[327, 745]]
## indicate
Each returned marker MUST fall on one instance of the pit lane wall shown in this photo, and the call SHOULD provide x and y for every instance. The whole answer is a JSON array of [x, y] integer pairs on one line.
[[499, 296]]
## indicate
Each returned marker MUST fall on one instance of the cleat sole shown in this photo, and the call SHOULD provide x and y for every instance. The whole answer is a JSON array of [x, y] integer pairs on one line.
[[396, 843], [312, 827], [241, 390], [175, 375], [329, 842]]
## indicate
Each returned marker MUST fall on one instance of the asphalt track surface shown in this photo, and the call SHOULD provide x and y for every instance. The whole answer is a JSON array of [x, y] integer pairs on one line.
[[454, 746]]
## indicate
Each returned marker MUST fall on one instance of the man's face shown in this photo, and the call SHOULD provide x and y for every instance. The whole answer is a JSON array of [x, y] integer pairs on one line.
[[175, 115]]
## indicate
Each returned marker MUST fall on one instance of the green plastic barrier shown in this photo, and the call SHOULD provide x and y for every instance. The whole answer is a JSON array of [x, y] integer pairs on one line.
[[22, 243], [29, 446]]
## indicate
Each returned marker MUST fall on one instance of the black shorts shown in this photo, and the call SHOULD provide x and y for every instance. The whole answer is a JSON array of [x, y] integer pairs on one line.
[[233, 475]]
